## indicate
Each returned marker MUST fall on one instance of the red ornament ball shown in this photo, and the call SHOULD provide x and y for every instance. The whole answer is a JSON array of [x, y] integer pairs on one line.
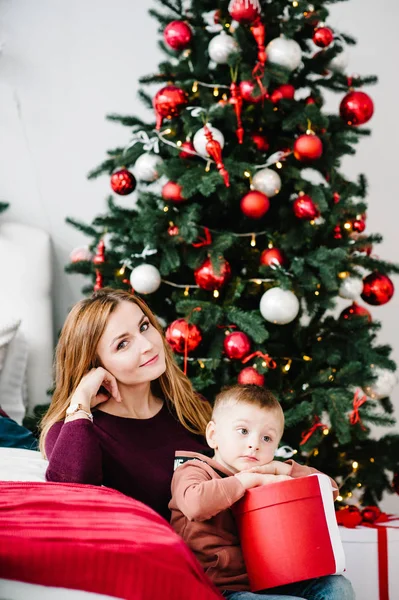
[[249, 375], [359, 225], [123, 182], [182, 336], [370, 514], [308, 147], [378, 289], [173, 230], [237, 345], [177, 35], [305, 208], [285, 91], [272, 257], [353, 311], [254, 204], [322, 37], [356, 108], [349, 516], [251, 92], [187, 150], [172, 192], [243, 11], [260, 141], [168, 102], [207, 279]]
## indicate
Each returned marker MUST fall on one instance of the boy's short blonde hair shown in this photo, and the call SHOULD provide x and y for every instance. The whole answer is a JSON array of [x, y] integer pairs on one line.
[[251, 394]]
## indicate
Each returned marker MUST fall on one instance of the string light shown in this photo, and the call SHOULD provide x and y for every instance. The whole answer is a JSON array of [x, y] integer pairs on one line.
[[349, 495], [331, 378], [359, 485], [247, 174], [165, 208], [187, 291], [179, 143], [122, 270], [216, 92], [224, 97], [348, 226], [372, 460], [319, 338], [167, 131], [208, 167], [355, 465], [216, 293], [343, 274], [326, 431], [253, 240], [287, 367], [270, 245], [194, 89], [317, 293], [306, 358], [315, 452], [201, 364], [339, 498], [279, 165], [295, 4]]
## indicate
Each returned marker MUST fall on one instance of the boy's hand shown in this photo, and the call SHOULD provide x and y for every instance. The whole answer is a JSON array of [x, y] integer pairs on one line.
[[275, 467], [251, 480]]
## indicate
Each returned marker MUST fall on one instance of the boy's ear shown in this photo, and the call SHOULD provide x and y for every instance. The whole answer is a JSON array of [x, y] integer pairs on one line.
[[210, 434]]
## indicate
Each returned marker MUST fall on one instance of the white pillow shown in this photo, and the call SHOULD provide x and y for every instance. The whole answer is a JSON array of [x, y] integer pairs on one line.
[[13, 384], [17, 464]]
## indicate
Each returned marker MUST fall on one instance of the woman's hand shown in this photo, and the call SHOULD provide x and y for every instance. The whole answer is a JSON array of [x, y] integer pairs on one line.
[[275, 467], [97, 386]]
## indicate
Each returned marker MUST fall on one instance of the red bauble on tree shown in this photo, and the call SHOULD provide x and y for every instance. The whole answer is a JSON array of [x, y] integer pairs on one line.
[[272, 257], [356, 108], [172, 192], [182, 336], [173, 230], [207, 279], [285, 91], [354, 311], [322, 37], [378, 289], [305, 208], [123, 182], [349, 516], [168, 103], [244, 11], [249, 375], [308, 147], [237, 345], [255, 204], [370, 514], [187, 150], [251, 92], [177, 35], [260, 141]]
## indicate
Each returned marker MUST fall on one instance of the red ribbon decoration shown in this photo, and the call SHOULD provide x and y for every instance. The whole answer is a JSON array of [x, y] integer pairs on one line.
[[205, 241], [214, 150], [358, 401], [268, 360], [258, 31], [236, 101], [316, 424]]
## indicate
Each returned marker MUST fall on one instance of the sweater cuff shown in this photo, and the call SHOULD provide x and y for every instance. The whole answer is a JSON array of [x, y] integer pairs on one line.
[[233, 488]]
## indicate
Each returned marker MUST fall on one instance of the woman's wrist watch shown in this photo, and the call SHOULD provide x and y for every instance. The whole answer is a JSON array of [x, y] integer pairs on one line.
[[75, 408]]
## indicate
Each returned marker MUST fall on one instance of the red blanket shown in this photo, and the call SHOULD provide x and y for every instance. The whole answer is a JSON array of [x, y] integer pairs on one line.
[[94, 539]]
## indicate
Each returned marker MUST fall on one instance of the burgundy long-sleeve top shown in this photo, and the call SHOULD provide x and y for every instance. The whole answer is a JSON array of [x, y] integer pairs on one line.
[[133, 456]]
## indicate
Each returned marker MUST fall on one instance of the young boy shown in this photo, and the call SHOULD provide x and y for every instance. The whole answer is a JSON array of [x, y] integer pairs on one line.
[[246, 427]]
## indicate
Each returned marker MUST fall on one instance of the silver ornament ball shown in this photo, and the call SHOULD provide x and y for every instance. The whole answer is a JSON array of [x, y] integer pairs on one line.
[[279, 306], [284, 52], [267, 181], [383, 385], [351, 288], [146, 167], [145, 279], [221, 47]]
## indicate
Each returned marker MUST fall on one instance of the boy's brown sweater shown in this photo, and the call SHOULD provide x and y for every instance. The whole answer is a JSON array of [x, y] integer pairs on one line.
[[201, 515]]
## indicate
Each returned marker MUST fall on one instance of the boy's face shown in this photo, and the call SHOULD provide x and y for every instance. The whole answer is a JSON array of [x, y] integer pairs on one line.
[[244, 435]]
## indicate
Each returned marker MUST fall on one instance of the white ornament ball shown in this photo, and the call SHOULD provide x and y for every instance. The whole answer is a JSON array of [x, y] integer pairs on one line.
[[284, 52], [145, 279], [200, 141], [267, 181], [340, 62], [351, 288], [221, 47], [383, 385], [146, 167], [80, 253], [279, 306]]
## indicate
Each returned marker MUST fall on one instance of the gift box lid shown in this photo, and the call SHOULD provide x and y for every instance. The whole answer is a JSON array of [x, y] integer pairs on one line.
[[368, 535], [280, 492]]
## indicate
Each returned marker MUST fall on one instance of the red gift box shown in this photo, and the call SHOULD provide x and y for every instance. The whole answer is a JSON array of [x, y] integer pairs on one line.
[[289, 532]]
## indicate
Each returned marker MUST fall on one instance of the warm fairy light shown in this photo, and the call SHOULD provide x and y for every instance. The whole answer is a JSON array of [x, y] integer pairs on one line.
[[208, 168], [331, 378], [312, 222], [122, 270], [201, 364], [224, 97], [216, 293], [355, 465], [287, 367], [186, 291], [216, 92], [326, 431], [258, 281], [295, 451], [347, 226], [317, 293], [179, 143], [295, 4], [339, 498], [358, 217], [343, 274], [270, 245], [372, 460], [306, 358], [264, 364], [227, 25], [359, 484], [319, 338], [349, 495], [315, 452], [253, 240], [167, 131], [279, 165], [247, 174], [195, 87], [165, 208]]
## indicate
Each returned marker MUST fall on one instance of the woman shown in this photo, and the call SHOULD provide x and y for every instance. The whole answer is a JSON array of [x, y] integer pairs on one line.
[[121, 405]]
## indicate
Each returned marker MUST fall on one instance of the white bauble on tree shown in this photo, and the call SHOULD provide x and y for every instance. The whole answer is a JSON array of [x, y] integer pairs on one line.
[[200, 141], [81, 253], [340, 62], [145, 279], [383, 385], [279, 306], [284, 52], [351, 288], [146, 167], [267, 181], [221, 47]]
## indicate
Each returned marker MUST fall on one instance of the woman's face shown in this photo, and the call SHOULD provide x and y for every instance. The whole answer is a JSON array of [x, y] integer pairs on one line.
[[130, 348]]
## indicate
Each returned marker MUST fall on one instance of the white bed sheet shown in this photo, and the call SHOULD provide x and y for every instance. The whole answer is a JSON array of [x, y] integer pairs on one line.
[[18, 590]]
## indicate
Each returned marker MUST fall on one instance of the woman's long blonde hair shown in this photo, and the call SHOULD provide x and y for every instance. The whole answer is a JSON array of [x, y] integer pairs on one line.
[[76, 354]]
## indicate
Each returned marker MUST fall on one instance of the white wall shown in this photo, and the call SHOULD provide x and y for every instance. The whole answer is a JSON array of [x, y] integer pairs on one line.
[[66, 63]]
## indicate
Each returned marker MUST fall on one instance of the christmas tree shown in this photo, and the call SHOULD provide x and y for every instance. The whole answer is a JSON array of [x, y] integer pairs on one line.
[[246, 231]]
